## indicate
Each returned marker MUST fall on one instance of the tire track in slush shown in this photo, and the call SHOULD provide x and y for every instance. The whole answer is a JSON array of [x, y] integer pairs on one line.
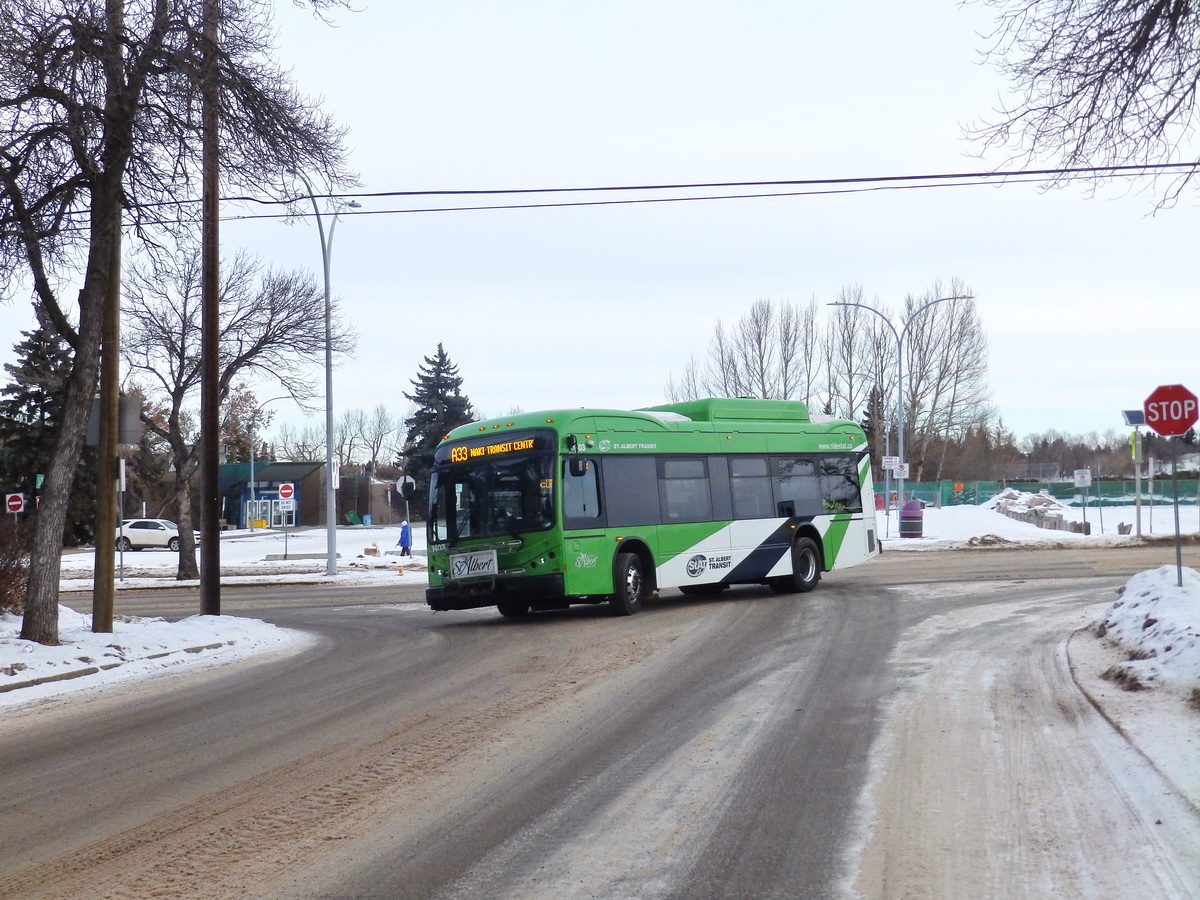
[[996, 778], [246, 839]]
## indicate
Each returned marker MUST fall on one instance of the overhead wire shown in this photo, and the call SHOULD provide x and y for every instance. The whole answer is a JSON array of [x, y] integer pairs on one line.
[[814, 187]]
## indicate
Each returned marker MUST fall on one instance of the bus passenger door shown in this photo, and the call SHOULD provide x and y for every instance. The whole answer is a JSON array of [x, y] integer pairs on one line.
[[587, 556]]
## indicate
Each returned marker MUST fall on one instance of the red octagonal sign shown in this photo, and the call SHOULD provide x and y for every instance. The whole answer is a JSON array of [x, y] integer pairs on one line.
[[1170, 410]]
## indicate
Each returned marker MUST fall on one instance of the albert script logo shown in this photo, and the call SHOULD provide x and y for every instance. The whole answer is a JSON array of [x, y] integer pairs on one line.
[[471, 565], [696, 565]]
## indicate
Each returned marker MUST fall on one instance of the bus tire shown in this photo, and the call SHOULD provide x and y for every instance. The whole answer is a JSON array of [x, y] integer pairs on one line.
[[806, 569], [629, 585], [513, 609]]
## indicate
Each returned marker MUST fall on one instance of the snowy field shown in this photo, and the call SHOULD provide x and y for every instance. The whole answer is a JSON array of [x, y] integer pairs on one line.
[[1154, 622]]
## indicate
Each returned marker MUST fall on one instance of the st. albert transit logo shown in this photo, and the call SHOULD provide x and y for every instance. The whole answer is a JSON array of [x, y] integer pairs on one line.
[[697, 565]]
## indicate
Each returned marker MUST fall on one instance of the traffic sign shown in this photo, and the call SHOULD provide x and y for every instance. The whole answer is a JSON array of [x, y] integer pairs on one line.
[[287, 505], [14, 503], [287, 490], [1171, 410], [900, 470]]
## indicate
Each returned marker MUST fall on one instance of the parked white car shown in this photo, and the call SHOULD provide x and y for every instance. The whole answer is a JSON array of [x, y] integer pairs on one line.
[[137, 534]]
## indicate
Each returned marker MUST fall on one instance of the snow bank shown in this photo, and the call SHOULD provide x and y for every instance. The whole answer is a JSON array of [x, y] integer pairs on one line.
[[1157, 623]]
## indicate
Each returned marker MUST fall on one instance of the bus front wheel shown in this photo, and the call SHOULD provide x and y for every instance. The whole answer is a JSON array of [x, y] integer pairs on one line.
[[513, 609], [629, 585], [806, 569]]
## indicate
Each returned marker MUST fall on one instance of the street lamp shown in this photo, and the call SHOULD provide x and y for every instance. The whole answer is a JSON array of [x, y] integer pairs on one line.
[[887, 443], [330, 475], [899, 335]]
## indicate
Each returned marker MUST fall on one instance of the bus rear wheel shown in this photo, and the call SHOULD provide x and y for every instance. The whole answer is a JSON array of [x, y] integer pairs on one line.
[[806, 569], [629, 585]]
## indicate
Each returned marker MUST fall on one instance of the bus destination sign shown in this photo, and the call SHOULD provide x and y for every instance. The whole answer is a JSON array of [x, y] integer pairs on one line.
[[463, 453]]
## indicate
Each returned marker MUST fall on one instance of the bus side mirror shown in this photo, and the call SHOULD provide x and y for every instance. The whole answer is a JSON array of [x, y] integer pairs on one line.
[[577, 467]]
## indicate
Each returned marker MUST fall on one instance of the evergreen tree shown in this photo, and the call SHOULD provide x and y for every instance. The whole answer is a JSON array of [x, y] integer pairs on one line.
[[30, 413], [440, 406]]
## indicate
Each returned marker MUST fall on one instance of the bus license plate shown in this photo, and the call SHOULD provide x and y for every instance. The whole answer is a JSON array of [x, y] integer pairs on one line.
[[481, 563]]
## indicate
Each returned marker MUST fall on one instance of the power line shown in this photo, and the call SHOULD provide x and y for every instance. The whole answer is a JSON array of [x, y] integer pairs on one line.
[[816, 187], [813, 187]]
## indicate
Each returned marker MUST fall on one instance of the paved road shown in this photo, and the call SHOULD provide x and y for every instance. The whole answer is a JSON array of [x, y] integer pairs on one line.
[[732, 747]]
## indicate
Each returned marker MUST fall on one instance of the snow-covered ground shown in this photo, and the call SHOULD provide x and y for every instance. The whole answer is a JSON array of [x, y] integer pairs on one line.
[[1154, 623], [143, 647]]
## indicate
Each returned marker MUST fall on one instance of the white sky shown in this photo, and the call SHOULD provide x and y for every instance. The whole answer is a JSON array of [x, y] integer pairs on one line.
[[1088, 303]]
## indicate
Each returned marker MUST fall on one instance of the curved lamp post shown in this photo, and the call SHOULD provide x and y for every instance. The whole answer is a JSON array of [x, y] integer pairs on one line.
[[899, 335], [330, 475]]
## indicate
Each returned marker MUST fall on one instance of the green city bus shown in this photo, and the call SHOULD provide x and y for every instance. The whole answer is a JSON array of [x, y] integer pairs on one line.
[[543, 510]]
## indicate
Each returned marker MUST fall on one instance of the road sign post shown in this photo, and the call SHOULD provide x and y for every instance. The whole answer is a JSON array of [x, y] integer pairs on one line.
[[14, 503], [287, 505], [1171, 409]]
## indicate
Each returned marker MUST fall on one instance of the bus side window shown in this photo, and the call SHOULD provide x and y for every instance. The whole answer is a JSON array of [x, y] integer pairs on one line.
[[630, 485], [796, 483], [581, 492], [751, 483], [685, 491], [839, 484]]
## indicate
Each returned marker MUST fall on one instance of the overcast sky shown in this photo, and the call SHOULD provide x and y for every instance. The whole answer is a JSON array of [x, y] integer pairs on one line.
[[1089, 302]]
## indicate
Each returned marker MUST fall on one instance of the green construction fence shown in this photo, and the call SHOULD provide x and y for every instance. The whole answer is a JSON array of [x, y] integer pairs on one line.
[[1100, 493]]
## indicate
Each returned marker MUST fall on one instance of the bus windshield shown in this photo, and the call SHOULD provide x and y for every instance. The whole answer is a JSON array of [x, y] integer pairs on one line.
[[492, 498]]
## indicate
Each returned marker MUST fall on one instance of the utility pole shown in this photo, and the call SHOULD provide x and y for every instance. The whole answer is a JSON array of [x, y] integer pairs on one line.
[[104, 589], [210, 330]]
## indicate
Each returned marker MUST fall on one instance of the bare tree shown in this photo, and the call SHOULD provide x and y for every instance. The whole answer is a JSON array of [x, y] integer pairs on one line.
[[848, 361], [945, 370], [304, 445], [100, 109], [688, 387], [377, 428], [765, 354], [848, 367], [272, 325], [347, 434], [1097, 82]]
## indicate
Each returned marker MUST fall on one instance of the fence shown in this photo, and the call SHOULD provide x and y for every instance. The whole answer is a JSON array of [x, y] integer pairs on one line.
[[1101, 493]]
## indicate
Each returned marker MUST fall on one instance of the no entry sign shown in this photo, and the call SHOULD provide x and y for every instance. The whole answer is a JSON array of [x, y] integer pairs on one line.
[[1171, 410], [287, 490], [14, 503]]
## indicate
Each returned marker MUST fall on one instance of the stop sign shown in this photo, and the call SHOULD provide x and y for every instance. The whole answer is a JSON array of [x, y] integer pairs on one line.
[[1170, 410], [287, 490], [15, 503]]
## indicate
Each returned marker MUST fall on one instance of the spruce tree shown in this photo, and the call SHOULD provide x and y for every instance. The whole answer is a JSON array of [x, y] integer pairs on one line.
[[30, 414], [440, 406]]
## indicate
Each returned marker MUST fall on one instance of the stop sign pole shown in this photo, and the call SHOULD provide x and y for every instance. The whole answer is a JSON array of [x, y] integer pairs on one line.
[[1171, 410]]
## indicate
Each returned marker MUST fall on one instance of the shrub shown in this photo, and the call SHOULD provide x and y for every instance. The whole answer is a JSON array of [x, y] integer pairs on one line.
[[16, 543]]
